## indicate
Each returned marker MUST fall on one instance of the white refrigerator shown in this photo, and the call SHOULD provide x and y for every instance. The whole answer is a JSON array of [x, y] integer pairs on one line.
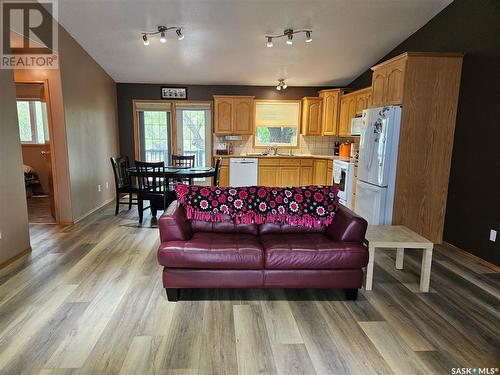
[[378, 156]]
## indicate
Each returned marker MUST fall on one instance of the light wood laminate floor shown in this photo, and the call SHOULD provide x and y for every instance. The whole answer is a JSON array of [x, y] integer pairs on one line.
[[89, 300]]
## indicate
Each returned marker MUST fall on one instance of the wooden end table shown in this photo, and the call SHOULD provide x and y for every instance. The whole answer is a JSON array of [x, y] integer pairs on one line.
[[400, 238]]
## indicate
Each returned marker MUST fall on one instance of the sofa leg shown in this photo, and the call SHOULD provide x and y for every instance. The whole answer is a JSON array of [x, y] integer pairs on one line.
[[172, 294], [351, 294]]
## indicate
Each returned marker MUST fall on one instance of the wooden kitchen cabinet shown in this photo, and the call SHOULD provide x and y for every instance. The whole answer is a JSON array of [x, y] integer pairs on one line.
[[311, 116], [243, 110], [388, 82], [224, 171], [347, 112], [378, 87], [233, 114], [268, 175], [289, 176], [306, 176], [330, 111], [363, 99], [320, 172], [329, 173], [426, 85], [295, 171], [352, 105]]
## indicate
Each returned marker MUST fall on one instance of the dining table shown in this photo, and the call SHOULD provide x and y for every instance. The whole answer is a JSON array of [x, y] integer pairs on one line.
[[169, 172], [166, 174]]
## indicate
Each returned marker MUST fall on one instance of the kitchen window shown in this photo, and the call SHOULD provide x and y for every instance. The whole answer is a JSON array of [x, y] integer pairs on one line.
[[277, 123]]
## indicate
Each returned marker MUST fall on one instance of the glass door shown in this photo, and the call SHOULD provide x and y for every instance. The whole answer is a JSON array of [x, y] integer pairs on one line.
[[194, 132], [154, 135]]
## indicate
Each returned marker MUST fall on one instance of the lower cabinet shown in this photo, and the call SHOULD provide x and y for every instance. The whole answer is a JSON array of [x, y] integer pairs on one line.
[[292, 172], [224, 172], [268, 175], [306, 175], [320, 172], [283, 172]]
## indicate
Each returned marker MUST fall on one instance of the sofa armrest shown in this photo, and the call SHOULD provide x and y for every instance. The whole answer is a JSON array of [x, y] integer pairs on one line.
[[174, 225], [347, 226]]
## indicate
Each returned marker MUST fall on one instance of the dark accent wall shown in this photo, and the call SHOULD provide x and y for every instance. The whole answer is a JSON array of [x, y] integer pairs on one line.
[[471, 27], [128, 91]]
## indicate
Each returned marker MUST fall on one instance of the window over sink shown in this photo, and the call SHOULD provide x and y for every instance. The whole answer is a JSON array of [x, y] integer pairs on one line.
[[277, 123]]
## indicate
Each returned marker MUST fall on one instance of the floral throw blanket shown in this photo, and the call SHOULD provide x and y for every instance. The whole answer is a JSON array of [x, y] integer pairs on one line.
[[306, 206]]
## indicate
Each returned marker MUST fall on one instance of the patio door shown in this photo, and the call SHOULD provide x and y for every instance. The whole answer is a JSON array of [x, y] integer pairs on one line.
[[194, 132], [154, 132]]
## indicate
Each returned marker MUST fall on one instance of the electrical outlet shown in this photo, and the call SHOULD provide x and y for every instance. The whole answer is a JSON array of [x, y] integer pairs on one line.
[[98, 187], [107, 185], [493, 235]]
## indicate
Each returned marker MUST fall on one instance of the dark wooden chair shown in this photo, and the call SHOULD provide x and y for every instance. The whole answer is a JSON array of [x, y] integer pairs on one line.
[[123, 182], [151, 188], [216, 177], [183, 161]]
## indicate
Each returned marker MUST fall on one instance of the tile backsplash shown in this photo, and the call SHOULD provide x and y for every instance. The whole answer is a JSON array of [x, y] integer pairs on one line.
[[320, 145]]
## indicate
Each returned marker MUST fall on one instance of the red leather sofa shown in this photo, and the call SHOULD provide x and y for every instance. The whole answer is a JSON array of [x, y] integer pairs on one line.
[[199, 254]]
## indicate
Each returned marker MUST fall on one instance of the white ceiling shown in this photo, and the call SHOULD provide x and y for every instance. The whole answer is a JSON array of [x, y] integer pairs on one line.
[[224, 39]]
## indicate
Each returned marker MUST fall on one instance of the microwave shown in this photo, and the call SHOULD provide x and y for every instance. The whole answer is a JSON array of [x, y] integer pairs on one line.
[[356, 124]]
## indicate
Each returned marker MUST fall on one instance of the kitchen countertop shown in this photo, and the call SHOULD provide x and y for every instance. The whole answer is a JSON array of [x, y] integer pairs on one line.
[[298, 156]]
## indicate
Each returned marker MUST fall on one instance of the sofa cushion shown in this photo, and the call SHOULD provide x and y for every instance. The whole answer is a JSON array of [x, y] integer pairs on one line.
[[270, 228], [311, 251], [213, 250], [226, 226]]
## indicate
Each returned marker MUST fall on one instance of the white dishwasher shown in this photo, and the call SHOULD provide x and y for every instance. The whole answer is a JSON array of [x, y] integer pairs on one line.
[[243, 171]]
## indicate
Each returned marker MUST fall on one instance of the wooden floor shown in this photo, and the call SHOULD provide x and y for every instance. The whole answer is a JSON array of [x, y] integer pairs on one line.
[[89, 300], [39, 210]]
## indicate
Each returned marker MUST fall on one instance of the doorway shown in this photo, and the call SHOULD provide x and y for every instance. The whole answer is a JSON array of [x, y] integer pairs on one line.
[[34, 131]]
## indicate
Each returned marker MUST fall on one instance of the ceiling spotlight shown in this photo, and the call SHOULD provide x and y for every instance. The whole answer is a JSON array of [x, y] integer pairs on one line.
[[281, 85], [289, 33], [163, 37], [309, 39], [145, 40], [179, 34]]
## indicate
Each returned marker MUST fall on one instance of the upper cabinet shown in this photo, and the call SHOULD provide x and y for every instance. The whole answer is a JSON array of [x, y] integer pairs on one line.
[[331, 111], [311, 116], [351, 105], [233, 114], [363, 100], [388, 82], [347, 112]]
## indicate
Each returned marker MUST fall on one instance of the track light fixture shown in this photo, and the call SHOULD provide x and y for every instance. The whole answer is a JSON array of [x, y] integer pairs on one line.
[[281, 85], [289, 33], [162, 30]]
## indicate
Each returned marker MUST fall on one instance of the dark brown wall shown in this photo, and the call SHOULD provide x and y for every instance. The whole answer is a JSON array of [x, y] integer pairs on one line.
[[128, 91], [472, 27]]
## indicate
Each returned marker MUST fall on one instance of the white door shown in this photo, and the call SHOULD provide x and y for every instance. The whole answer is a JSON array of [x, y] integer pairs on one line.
[[371, 203]]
